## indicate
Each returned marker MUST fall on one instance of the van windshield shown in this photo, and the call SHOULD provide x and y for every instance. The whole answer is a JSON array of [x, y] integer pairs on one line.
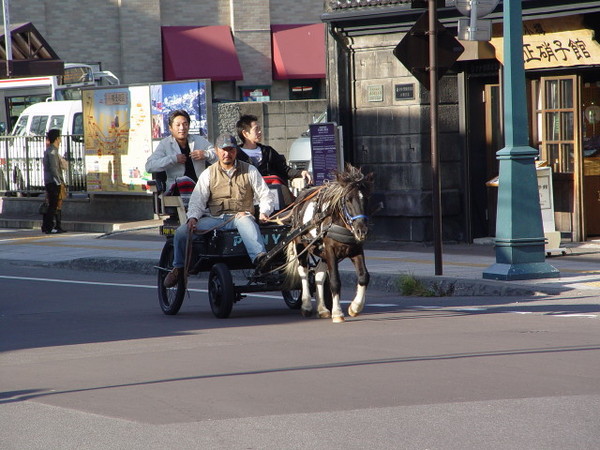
[[56, 122], [78, 124], [38, 125], [19, 129]]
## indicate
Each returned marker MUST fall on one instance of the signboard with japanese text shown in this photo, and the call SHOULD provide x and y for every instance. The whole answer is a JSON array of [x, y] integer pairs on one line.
[[553, 43], [323, 143]]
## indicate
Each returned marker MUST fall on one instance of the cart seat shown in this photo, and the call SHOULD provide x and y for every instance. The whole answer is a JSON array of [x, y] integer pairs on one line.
[[280, 192]]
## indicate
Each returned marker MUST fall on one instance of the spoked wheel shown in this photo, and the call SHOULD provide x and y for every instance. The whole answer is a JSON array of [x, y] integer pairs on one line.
[[292, 298], [170, 299], [221, 292]]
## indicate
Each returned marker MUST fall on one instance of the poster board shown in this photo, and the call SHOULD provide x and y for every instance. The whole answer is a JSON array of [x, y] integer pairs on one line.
[[324, 149], [124, 124]]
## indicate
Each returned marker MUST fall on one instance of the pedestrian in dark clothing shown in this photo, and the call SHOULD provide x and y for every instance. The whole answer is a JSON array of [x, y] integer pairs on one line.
[[54, 182]]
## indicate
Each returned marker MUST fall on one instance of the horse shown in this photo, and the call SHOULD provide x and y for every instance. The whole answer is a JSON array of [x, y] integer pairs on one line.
[[337, 210]]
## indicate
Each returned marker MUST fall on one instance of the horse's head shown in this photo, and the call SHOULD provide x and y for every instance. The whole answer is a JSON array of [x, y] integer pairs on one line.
[[357, 189]]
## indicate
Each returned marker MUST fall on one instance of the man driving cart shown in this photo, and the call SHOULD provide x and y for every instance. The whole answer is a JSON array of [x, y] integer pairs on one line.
[[224, 198]]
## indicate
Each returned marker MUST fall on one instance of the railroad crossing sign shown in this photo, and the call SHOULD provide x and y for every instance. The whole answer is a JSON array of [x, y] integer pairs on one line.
[[413, 50]]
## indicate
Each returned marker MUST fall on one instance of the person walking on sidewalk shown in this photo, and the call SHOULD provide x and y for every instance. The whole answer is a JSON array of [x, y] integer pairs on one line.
[[54, 183], [180, 154], [224, 197]]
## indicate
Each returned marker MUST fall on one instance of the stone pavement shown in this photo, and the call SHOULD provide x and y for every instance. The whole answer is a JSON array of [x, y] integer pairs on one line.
[[137, 251]]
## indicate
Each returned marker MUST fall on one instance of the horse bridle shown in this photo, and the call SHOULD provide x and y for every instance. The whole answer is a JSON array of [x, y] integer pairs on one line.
[[349, 218]]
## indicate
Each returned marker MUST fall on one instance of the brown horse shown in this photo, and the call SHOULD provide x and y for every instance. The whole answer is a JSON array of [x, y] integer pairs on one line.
[[338, 211]]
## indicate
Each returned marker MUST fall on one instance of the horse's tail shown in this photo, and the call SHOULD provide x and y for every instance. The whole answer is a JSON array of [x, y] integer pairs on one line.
[[292, 278]]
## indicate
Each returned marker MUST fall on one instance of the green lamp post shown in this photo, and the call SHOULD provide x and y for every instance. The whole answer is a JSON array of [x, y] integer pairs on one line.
[[520, 253]]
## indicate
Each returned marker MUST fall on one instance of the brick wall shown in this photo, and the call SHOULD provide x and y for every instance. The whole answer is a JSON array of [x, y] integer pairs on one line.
[[124, 36], [296, 11]]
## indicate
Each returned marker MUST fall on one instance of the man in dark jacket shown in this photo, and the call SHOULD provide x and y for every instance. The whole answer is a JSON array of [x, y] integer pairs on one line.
[[263, 157]]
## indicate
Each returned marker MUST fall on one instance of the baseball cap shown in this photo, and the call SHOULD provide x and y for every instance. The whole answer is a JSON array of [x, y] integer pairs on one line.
[[225, 140]]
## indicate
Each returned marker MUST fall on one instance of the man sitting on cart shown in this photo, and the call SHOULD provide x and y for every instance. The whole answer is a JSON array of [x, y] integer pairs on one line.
[[224, 198]]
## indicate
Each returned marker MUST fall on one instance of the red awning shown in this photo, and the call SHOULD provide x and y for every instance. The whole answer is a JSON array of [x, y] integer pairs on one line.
[[298, 51], [200, 52]]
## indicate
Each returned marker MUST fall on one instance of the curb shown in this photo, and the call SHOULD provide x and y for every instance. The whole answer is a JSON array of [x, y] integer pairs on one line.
[[451, 287]]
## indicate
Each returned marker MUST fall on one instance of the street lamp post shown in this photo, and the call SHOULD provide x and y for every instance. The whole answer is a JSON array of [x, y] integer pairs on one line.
[[520, 252]]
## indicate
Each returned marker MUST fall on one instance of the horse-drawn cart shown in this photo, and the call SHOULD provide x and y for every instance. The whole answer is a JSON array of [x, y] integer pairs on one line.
[[327, 224], [219, 252]]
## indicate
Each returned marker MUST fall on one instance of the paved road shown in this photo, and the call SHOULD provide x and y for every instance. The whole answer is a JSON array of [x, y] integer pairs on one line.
[[89, 361]]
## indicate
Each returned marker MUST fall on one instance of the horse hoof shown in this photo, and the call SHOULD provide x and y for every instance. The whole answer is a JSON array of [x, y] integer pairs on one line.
[[325, 315], [351, 312], [339, 319], [306, 313]]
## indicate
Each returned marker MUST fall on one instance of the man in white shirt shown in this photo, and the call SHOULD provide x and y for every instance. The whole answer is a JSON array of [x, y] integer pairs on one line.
[[224, 196]]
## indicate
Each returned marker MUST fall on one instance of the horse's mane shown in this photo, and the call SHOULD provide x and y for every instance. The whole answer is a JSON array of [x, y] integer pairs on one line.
[[352, 179]]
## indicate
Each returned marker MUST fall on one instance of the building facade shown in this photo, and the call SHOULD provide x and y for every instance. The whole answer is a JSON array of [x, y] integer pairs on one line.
[[128, 38], [385, 113]]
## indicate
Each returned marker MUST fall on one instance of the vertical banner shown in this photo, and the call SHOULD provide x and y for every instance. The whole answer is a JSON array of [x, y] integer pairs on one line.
[[324, 151]]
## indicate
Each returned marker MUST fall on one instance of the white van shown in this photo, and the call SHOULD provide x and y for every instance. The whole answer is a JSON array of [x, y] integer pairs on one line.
[[37, 119], [300, 155]]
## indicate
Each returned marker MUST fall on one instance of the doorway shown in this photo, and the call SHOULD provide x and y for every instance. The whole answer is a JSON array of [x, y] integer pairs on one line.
[[557, 136], [590, 139]]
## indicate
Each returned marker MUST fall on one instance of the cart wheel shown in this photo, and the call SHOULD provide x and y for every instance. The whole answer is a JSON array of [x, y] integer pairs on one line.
[[220, 291], [293, 298], [170, 299]]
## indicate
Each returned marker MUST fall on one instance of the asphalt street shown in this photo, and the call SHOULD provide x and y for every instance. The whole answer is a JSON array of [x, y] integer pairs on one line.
[[89, 361]]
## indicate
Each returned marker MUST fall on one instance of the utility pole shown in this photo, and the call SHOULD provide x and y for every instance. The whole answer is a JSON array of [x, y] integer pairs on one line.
[[435, 156], [7, 37]]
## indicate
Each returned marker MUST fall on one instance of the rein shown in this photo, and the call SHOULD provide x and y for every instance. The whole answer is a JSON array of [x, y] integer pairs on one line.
[[275, 217]]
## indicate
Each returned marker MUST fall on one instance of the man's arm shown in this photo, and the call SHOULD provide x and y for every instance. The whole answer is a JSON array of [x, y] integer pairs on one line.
[[203, 150], [261, 192], [199, 198], [160, 159]]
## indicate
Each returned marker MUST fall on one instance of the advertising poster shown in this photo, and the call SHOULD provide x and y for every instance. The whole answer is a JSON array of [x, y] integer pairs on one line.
[[323, 145], [116, 137], [189, 96]]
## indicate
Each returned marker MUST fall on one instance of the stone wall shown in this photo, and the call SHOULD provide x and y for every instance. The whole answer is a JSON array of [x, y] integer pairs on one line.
[[391, 137], [283, 121]]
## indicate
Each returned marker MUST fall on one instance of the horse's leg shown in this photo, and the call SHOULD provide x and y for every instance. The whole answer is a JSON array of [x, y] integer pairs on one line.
[[336, 286], [320, 276], [362, 275], [303, 272]]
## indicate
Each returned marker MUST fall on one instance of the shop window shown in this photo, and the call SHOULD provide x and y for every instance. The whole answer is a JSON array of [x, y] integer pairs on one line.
[[304, 89], [255, 93]]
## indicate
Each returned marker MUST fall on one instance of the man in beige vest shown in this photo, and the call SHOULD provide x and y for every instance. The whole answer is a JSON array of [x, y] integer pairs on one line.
[[226, 189]]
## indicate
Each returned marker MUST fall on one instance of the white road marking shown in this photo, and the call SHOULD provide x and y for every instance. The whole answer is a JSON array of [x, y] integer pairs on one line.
[[590, 316]]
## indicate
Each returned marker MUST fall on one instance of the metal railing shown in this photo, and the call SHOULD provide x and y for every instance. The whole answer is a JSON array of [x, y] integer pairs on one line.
[[21, 164]]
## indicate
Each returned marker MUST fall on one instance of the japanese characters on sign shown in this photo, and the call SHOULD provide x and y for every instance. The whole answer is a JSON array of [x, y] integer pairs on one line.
[[555, 43]]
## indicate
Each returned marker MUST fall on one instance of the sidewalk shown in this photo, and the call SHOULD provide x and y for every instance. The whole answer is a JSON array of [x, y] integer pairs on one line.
[[138, 250]]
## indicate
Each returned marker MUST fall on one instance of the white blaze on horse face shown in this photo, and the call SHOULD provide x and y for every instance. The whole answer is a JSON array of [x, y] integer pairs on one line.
[[360, 195]]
